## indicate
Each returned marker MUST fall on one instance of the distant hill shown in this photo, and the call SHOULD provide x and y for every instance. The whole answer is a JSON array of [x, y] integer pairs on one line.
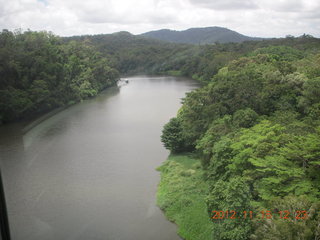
[[206, 35], [111, 43], [132, 53]]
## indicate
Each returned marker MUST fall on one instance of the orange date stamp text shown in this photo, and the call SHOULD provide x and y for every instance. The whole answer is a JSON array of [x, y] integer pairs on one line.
[[265, 214]]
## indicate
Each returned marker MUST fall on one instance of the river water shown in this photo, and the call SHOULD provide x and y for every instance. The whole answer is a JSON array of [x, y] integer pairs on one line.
[[88, 172]]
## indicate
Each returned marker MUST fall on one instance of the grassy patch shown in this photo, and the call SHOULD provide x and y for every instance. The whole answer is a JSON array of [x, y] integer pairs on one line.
[[175, 73], [181, 194]]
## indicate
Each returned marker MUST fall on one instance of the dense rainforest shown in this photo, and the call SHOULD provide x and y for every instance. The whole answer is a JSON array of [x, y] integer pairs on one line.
[[200, 36], [39, 72], [253, 127]]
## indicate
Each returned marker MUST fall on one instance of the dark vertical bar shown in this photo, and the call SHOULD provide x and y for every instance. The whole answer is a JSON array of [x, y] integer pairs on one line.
[[4, 223]]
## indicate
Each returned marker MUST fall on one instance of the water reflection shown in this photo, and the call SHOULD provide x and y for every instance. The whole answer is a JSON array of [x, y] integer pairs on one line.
[[88, 172]]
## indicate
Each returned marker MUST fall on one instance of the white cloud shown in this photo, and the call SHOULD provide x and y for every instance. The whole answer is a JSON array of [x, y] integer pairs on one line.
[[281, 5], [225, 5], [265, 18]]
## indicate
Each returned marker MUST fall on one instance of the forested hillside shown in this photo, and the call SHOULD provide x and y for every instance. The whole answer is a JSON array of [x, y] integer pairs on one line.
[[207, 35], [255, 126], [39, 73], [134, 54]]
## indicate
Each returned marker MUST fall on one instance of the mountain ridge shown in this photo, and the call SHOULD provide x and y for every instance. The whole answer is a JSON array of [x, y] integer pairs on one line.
[[205, 35]]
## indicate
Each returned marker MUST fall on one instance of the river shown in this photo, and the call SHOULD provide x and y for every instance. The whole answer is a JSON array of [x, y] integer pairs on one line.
[[88, 172]]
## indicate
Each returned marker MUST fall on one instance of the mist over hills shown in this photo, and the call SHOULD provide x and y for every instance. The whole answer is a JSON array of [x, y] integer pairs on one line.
[[207, 35]]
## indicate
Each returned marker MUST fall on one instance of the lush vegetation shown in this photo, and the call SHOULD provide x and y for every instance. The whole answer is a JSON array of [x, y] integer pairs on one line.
[[181, 195], [256, 128], [132, 54], [39, 73], [254, 125], [207, 35]]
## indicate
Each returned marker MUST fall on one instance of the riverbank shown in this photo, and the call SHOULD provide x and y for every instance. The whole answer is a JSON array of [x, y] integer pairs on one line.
[[181, 195], [83, 166]]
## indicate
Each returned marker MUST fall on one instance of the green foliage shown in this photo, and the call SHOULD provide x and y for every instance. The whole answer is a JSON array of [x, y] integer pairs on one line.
[[310, 65], [174, 73], [244, 118], [281, 53], [181, 194], [207, 35], [136, 54], [310, 95], [255, 126], [261, 154], [253, 123], [172, 137], [218, 129], [232, 195], [290, 228], [39, 72]]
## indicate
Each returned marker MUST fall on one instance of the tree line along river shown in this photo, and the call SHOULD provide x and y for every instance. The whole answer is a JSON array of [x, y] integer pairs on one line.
[[88, 172]]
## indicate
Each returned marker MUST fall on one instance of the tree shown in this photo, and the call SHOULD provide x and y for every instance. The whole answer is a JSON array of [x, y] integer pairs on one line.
[[245, 118], [233, 195], [172, 136], [294, 218]]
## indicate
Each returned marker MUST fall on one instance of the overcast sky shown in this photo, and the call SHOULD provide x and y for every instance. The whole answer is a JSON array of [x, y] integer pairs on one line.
[[261, 18]]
